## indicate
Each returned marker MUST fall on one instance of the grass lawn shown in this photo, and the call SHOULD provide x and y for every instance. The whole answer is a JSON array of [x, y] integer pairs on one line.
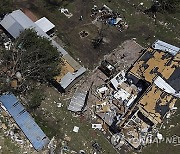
[[59, 122], [141, 26]]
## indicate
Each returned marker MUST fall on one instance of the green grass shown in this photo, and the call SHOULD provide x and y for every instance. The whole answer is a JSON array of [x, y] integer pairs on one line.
[[58, 122], [7, 146]]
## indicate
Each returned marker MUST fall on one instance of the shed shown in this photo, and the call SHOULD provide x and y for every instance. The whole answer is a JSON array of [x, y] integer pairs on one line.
[[16, 22], [45, 24], [24, 120]]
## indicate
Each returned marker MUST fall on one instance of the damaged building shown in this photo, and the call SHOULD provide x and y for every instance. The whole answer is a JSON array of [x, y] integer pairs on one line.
[[134, 101], [25, 122], [16, 22]]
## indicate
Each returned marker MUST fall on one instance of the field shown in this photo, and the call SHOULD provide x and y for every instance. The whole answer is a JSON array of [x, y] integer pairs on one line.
[[59, 122], [141, 26]]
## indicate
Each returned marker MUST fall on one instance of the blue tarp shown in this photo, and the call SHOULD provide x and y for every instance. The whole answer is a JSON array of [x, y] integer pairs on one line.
[[24, 120], [112, 21]]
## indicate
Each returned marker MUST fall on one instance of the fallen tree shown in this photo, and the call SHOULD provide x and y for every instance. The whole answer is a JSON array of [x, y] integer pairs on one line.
[[31, 57]]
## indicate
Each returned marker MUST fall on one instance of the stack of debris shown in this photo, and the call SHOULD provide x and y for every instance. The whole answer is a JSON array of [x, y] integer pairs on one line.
[[108, 17]]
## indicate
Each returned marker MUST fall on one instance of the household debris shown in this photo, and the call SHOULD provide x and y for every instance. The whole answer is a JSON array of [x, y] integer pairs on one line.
[[120, 100], [24, 120], [66, 12], [83, 34], [108, 17], [97, 126], [76, 129]]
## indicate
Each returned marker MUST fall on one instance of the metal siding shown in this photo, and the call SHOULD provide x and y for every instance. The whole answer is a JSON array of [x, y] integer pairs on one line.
[[70, 77], [22, 19], [160, 45], [32, 131]]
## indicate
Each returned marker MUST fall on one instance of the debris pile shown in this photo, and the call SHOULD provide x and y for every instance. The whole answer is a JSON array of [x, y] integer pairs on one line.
[[66, 12], [108, 17], [12, 131]]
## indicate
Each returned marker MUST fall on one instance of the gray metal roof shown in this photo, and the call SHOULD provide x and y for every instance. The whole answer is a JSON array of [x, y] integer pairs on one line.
[[17, 21], [70, 77], [77, 101], [24, 120], [163, 46]]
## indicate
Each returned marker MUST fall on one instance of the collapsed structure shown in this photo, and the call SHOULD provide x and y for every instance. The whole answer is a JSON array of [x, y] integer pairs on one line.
[[134, 101], [108, 17], [24, 120], [16, 22]]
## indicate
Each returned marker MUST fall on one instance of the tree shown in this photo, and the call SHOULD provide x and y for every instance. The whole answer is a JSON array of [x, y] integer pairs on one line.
[[5, 6], [36, 98], [169, 5], [33, 57], [164, 5]]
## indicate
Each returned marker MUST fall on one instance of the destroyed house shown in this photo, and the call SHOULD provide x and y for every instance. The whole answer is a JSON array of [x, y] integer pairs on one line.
[[160, 69], [16, 22], [24, 120]]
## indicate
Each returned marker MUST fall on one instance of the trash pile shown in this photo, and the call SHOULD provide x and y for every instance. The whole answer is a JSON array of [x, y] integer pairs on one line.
[[66, 12], [12, 131], [108, 17]]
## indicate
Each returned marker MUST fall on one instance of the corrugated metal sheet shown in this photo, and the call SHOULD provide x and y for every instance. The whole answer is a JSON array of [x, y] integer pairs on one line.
[[164, 85], [70, 77], [163, 46], [24, 120], [77, 101]]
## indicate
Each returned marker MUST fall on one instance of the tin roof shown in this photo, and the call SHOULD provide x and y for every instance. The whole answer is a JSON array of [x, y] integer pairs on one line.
[[70, 77], [24, 120], [77, 101], [163, 46], [45, 24]]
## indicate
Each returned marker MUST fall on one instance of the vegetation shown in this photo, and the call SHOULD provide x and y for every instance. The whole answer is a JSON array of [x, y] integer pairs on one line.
[[170, 6], [32, 57], [5, 6], [36, 98]]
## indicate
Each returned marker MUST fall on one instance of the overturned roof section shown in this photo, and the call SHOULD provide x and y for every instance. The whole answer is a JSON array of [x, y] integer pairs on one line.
[[45, 24], [162, 84], [70, 77], [24, 120], [163, 46], [78, 101]]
